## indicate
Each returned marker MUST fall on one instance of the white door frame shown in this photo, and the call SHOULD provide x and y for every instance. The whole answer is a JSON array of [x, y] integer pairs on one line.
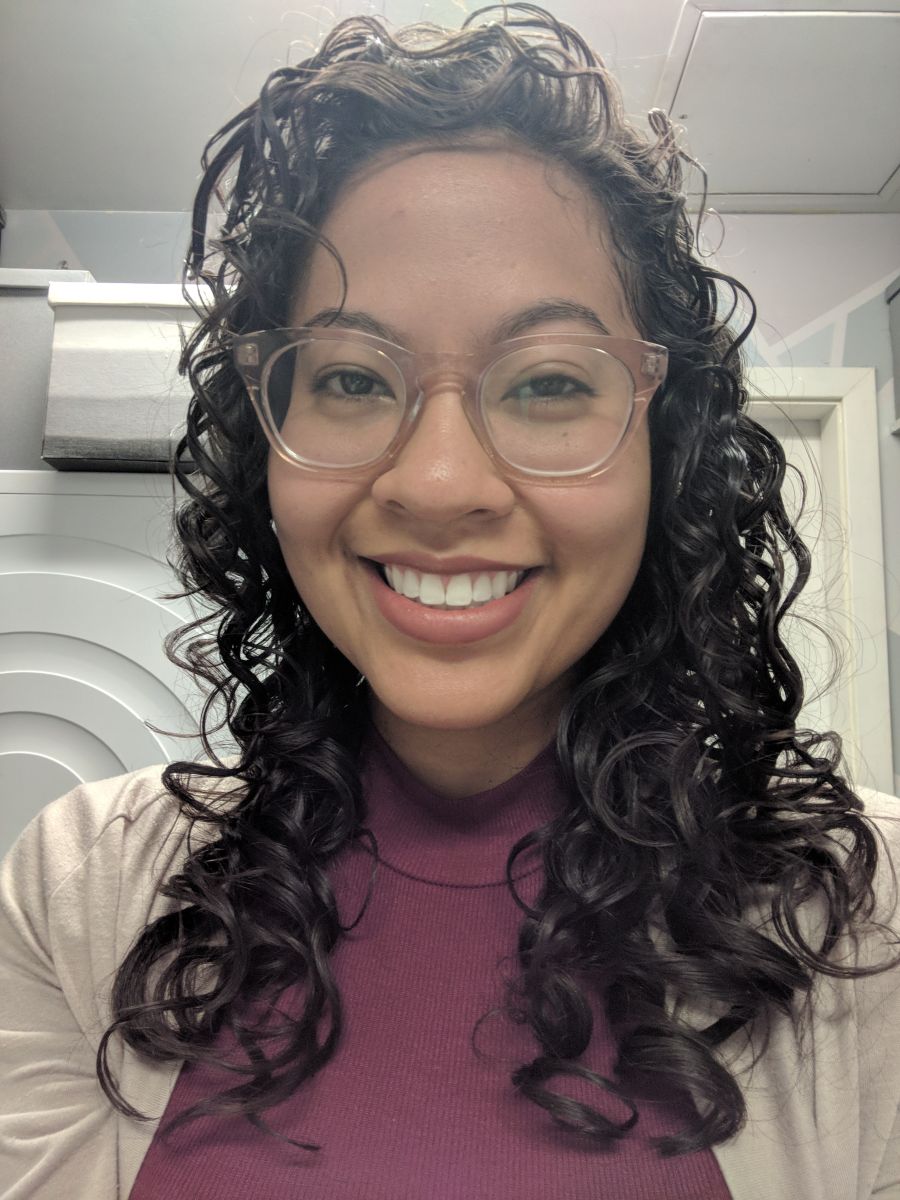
[[843, 401]]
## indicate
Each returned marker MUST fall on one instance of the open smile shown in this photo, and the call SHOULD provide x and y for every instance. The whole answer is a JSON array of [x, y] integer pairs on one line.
[[449, 610]]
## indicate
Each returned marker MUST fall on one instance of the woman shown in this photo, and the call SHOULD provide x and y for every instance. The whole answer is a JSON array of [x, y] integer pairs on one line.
[[520, 815]]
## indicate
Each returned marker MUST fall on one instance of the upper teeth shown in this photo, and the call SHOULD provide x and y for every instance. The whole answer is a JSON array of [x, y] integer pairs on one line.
[[461, 590]]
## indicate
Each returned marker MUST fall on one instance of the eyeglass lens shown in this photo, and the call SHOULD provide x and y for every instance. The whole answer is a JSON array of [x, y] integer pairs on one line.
[[553, 408]]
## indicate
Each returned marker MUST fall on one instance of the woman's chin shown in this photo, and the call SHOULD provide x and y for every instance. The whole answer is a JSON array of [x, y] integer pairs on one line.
[[435, 714], [453, 702]]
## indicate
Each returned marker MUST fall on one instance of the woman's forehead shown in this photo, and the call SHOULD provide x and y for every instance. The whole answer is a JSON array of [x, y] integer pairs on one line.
[[491, 158], [447, 229]]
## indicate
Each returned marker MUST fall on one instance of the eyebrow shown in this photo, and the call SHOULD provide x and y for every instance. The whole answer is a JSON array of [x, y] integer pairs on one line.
[[510, 324]]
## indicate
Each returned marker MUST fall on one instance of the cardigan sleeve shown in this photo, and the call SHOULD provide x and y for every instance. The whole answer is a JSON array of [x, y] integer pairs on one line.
[[878, 1011], [887, 1185], [55, 1122], [75, 889]]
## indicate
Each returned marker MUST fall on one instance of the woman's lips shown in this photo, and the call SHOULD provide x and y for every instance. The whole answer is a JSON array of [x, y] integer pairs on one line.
[[448, 627]]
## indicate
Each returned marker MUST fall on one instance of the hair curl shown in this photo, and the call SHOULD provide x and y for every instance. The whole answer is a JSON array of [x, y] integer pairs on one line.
[[692, 792]]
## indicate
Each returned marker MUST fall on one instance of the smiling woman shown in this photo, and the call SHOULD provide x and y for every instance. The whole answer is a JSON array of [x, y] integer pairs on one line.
[[495, 561], [449, 689]]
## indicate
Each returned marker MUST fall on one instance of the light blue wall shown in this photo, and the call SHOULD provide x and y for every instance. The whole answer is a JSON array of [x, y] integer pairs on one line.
[[116, 247]]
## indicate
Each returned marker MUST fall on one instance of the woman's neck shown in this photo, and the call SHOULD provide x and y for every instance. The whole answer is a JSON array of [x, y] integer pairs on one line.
[[464, 762]]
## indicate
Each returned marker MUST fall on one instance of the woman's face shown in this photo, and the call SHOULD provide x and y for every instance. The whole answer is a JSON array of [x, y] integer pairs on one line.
[[439, 246]]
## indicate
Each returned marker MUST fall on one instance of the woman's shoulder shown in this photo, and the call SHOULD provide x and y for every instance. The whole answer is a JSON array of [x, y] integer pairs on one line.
[[879, 805], [85, 813], [128, 825], [879, 941], [83, 879]]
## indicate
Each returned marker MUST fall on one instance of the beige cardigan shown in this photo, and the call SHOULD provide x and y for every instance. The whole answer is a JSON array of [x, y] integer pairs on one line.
[[79, 885]]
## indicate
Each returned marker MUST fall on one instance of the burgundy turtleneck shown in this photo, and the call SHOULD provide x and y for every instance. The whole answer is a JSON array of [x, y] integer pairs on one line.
[[406, 1110]]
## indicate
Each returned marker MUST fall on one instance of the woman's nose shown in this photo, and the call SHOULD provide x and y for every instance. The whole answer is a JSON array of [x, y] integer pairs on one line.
[[443, 471]]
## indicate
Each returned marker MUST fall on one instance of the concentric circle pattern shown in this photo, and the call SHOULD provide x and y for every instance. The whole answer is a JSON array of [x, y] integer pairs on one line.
[[86, 690]]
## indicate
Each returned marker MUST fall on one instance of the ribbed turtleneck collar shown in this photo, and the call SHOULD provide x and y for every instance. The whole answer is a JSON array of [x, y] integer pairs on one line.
[[463, 841]]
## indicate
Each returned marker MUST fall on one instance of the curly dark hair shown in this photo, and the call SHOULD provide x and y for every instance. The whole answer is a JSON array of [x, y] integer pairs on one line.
[[692, 794]]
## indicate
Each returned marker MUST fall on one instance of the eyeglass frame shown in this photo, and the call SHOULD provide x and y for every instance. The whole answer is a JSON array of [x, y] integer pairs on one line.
[[254, 354]]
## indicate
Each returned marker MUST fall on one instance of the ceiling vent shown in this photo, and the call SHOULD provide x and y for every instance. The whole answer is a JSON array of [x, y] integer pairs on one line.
[[794, 110]]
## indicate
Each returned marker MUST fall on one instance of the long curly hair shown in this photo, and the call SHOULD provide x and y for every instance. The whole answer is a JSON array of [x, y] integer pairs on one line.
[[692, 796]]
